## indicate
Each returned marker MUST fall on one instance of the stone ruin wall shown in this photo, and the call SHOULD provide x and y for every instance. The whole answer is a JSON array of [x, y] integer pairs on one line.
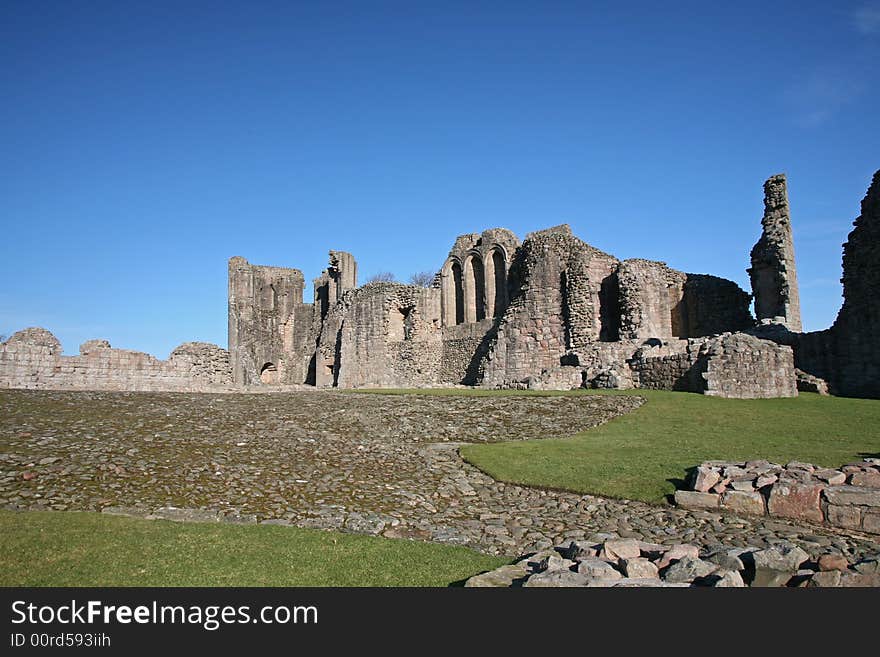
[[555, 306], [848, 497], [773, 273], [262, 323], [845, 355], [552, 312], [390, 337], [856, 330], [734, 365], [661, 303], [33, 359]]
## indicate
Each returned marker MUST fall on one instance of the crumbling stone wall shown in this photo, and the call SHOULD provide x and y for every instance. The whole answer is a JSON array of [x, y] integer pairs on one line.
[[650, 294], [460, 345], [554, 306], [857, 327], [773, 273], [730, 365], [390, 336], [848, 497], [845, 355], [659, 302], [712, 305], [33, 358], [262, 304]]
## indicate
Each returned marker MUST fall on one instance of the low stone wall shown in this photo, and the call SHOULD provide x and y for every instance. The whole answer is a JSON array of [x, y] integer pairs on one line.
[[610, 561], [848, 498], [734, 365], [33, 359]]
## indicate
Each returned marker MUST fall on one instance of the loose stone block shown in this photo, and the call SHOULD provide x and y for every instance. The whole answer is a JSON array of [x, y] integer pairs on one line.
[[866, 479], [705, 479], [639, 568], [743, 502], [695, 500], [848, 517], [624, 548], [871, 522], [844, 495]]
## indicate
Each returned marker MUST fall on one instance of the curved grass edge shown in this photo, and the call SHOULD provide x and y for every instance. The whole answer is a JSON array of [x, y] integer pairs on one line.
[[80, 548]]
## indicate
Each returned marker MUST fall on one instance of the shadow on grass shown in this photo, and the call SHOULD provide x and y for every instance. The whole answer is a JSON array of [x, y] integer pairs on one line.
[[681, 484], [869, 455]]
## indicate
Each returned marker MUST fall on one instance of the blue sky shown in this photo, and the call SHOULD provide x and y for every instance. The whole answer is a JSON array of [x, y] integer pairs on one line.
[[144, 143]]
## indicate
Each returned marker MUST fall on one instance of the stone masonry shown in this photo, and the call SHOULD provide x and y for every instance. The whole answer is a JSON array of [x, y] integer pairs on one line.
[[848, 497], [844, 357], [33, 358], [550, 312], [773, 273]]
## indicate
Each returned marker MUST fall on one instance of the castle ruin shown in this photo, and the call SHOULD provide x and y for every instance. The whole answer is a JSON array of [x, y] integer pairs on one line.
[[550, 312]]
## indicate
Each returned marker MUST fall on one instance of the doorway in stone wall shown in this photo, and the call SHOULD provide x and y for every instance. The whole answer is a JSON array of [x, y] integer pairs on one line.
[[269, 374]]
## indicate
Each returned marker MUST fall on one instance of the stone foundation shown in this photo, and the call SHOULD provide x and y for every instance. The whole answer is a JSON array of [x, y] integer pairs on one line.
[[848, 497]]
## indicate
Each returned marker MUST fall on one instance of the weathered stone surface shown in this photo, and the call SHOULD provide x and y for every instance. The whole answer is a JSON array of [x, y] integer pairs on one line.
[[689, 569], [705, 479], [639, 568], [848, 517], [726, 579], [501, 577], [844, 495], [773, 273], [793, 500], [695, 500], [783, 556], [598, 569], [750, 503], [678, 552], [833, 562], [825, 579], [557, 578], [866, 479], [624, 548], [832, 477]]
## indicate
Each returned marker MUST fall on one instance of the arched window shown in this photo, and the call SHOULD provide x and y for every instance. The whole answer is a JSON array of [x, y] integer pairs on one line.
[[458, 291], [474, 289], [499, 279]]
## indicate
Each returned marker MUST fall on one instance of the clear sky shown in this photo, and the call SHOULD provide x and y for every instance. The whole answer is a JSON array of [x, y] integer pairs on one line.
[[142, 144]]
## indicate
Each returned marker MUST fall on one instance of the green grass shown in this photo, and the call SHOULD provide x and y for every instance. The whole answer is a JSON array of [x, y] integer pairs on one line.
[[635, 456], [39, 548]]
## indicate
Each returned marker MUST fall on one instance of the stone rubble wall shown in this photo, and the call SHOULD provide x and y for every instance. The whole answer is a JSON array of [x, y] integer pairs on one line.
[[262, 330], [460, 344], [845, 356], [607, 561], [773, 273], [389, 337], [555, 306], [848, 497], [857, 359], [33, 359], [734, 365]]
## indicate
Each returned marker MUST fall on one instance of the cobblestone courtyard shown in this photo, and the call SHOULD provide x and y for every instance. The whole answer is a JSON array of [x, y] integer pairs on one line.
[[381, 464]]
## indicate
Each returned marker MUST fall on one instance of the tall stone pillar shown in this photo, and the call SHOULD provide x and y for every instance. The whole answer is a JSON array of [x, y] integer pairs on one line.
[[773, 273]]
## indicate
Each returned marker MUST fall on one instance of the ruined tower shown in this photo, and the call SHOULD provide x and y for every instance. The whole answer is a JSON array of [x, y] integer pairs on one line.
[[265, 323], [773, 273], [858, 322]]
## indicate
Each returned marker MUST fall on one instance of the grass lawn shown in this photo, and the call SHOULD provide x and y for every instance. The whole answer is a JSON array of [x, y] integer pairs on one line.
[[637, 455], [39, 548]]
